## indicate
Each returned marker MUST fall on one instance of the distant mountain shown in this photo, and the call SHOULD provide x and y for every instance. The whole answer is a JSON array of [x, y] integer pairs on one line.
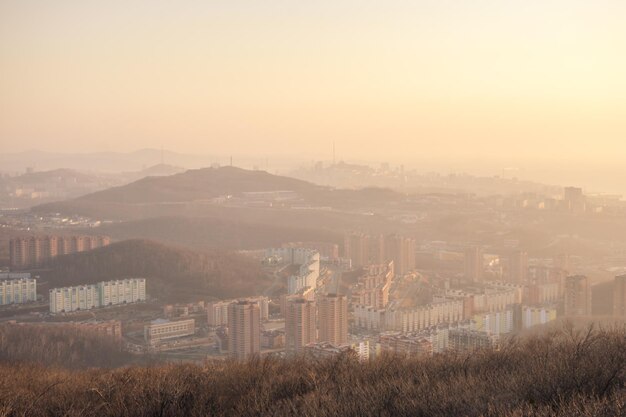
[[61, 174], [173, 273], [100, 161], [160, 170]]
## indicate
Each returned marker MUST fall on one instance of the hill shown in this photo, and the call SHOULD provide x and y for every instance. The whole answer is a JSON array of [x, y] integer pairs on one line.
[[215, 233], [172, 273], [197, 184], [60, 174], [561, 374], [191, 192]]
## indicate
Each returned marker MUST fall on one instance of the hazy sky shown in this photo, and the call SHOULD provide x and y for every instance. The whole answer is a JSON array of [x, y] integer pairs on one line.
[[385, 79]]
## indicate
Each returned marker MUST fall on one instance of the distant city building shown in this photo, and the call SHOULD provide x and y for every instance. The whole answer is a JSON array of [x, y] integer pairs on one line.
[[161, 330], [273, 339], [356, 247], [400, 250], [323, 350], [466, 340], [217, 311], [365, 249], [328, 251], [307, 259], [619, 296], [577, 296], [413, 319], [333, 318], [17, 288], [102, 294], [372, 289], [183, 310], [300, 324], [518, 267], [244, 330], [574, 199], [405, 344], [474, 264], [533, 316], [32, 251], [495, 323]]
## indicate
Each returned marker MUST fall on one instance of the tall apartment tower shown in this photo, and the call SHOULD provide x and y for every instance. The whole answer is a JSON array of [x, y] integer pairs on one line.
[[577, 296], [244, 329], [300, 324], [357, 248], [400, 250], [518, 267], [474, 266], [619, 294], [377, 254], [333, 318]]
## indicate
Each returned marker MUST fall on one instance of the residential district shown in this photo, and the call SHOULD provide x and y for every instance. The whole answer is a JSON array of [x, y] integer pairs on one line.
[[366, 300]]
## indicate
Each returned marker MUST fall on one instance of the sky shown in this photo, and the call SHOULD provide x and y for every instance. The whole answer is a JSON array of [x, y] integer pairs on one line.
[[501, 80]]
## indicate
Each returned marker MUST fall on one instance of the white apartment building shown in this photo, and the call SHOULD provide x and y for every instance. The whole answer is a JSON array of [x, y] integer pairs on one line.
[[122, 291], [102, 294], [17, 288], [81, 297], [533, 316], [217, 313], [309, 261], [409, 319], [421, 317]]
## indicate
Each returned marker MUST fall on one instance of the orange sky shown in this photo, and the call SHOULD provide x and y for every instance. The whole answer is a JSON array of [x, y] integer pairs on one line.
[[382, 79]]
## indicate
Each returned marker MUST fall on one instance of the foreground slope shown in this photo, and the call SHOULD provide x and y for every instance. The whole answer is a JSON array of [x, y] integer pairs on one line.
[[173, 273], [560, 374]]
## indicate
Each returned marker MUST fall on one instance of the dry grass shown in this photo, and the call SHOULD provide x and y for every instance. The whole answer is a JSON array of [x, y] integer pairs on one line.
[[565, 373]]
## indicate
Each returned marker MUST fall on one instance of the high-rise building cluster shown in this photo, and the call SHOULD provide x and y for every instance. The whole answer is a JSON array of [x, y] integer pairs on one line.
[[577, 296], [102, 294], [25, 252], [619, 296], [309, 266], [364, 249], [217, 311], [474, 264], [372, 289], [17, 288]]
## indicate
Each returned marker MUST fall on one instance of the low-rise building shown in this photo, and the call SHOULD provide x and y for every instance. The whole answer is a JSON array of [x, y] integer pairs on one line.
[[162, 330], [465, 340]]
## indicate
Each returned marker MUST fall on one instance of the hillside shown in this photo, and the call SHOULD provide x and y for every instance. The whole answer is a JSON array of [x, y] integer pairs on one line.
[[190, 193], [173, 273], [197, 184], [61, 174], [215, 233], [58, 345], [560, 374]]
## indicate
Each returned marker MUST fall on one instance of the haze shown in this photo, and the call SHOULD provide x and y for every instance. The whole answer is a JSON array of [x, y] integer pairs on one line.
[[404, 81]]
